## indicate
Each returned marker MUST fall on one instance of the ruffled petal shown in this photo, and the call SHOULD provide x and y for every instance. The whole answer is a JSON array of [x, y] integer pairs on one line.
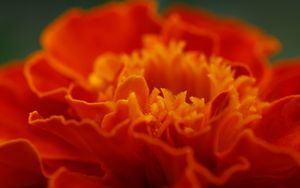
[[76, 39], [17, 101], [85, 104], [62, 145], [57, 139], [130, 160]]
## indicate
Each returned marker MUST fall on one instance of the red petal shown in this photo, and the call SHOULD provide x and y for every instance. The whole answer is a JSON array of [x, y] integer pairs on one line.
[[88, 168], [127, 160], [179, 165], [57, 139], [240, 69], [196, 39], [283, 81], [16, 101], [77, 38], [64, 178], [20, 165], [280, 123], [237, 41], [189, 180], [62, 144], [268, 166], [165, 166]]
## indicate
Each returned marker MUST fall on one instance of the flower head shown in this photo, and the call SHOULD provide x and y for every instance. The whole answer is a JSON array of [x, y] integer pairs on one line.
[[120, 96]]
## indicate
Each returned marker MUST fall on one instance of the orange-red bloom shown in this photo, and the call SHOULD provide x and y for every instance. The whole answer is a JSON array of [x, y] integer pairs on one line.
[[120, 96]]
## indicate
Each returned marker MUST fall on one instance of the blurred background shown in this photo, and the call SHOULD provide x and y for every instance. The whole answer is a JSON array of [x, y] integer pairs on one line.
[[21, 22]]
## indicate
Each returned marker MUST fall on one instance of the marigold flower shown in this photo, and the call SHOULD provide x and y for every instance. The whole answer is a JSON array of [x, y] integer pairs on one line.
[[120, 96]]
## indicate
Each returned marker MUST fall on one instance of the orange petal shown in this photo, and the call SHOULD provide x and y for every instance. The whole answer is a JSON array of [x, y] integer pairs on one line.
[[106, 71], [87, 110], [42, 78], [116, 118], [20, 165], [76, 39], [78, 92], [136, 84]]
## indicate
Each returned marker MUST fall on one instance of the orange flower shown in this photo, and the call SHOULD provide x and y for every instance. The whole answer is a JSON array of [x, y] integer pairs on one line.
[[119, 96]]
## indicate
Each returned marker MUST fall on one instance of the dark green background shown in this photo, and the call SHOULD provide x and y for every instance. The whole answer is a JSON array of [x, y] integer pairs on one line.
[[22, 21]]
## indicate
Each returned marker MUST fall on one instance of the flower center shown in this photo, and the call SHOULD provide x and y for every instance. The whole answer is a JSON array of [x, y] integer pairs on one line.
[[172, 75], [165, 66]]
